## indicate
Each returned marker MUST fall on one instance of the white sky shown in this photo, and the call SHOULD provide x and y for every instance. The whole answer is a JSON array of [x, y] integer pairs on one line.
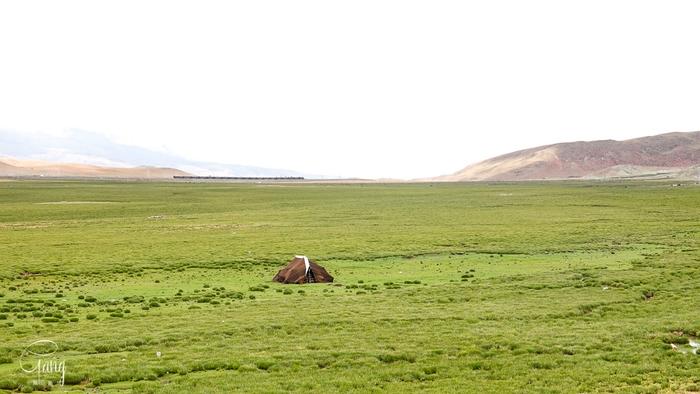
[[353, 88]]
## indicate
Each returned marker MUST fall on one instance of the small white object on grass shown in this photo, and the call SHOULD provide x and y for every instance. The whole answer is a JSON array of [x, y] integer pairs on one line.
[[158, 354]]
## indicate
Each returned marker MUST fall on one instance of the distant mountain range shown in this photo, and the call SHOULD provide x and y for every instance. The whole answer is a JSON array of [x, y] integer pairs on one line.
[[77, 153], [84, 153], [672, 155]]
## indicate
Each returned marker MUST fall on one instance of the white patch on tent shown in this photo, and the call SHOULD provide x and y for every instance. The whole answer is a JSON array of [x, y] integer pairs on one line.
[[306, 263]]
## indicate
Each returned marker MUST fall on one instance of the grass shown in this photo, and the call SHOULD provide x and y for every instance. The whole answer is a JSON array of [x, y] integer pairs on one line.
[[552, 287]]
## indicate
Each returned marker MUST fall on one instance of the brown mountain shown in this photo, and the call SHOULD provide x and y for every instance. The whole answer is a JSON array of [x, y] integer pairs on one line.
[[672, 155], [16, 167]]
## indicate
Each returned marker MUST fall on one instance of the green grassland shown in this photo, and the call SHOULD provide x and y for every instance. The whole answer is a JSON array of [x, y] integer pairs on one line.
[[490, 288]]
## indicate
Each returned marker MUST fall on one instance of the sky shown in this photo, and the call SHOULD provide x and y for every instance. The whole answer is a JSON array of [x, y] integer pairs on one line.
[[376, 89]]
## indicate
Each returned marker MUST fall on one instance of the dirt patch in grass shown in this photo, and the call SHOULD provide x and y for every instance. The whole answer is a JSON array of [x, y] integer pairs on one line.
[[73, 202]]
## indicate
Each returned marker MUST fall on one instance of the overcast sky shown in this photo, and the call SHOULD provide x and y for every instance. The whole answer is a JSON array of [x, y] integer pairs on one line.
[[354, 88]]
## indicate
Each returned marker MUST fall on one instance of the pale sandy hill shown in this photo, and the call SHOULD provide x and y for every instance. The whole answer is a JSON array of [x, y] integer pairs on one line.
[[16, 167]]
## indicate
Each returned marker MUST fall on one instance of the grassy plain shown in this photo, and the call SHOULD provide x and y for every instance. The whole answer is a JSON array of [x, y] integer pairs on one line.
[[551, 287]]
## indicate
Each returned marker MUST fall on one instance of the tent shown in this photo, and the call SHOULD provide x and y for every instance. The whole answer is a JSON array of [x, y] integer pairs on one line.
[[302, 270]]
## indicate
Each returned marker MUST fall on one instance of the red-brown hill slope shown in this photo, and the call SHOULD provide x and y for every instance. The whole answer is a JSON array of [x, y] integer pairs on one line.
[[672, 153]]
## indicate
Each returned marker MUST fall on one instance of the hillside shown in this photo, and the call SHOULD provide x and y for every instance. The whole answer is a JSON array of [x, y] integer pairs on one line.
[[16, 167], [672, 155]]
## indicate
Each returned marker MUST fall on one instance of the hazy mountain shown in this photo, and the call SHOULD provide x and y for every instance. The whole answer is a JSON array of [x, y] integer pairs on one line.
[[83, 147], [672, 155]]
